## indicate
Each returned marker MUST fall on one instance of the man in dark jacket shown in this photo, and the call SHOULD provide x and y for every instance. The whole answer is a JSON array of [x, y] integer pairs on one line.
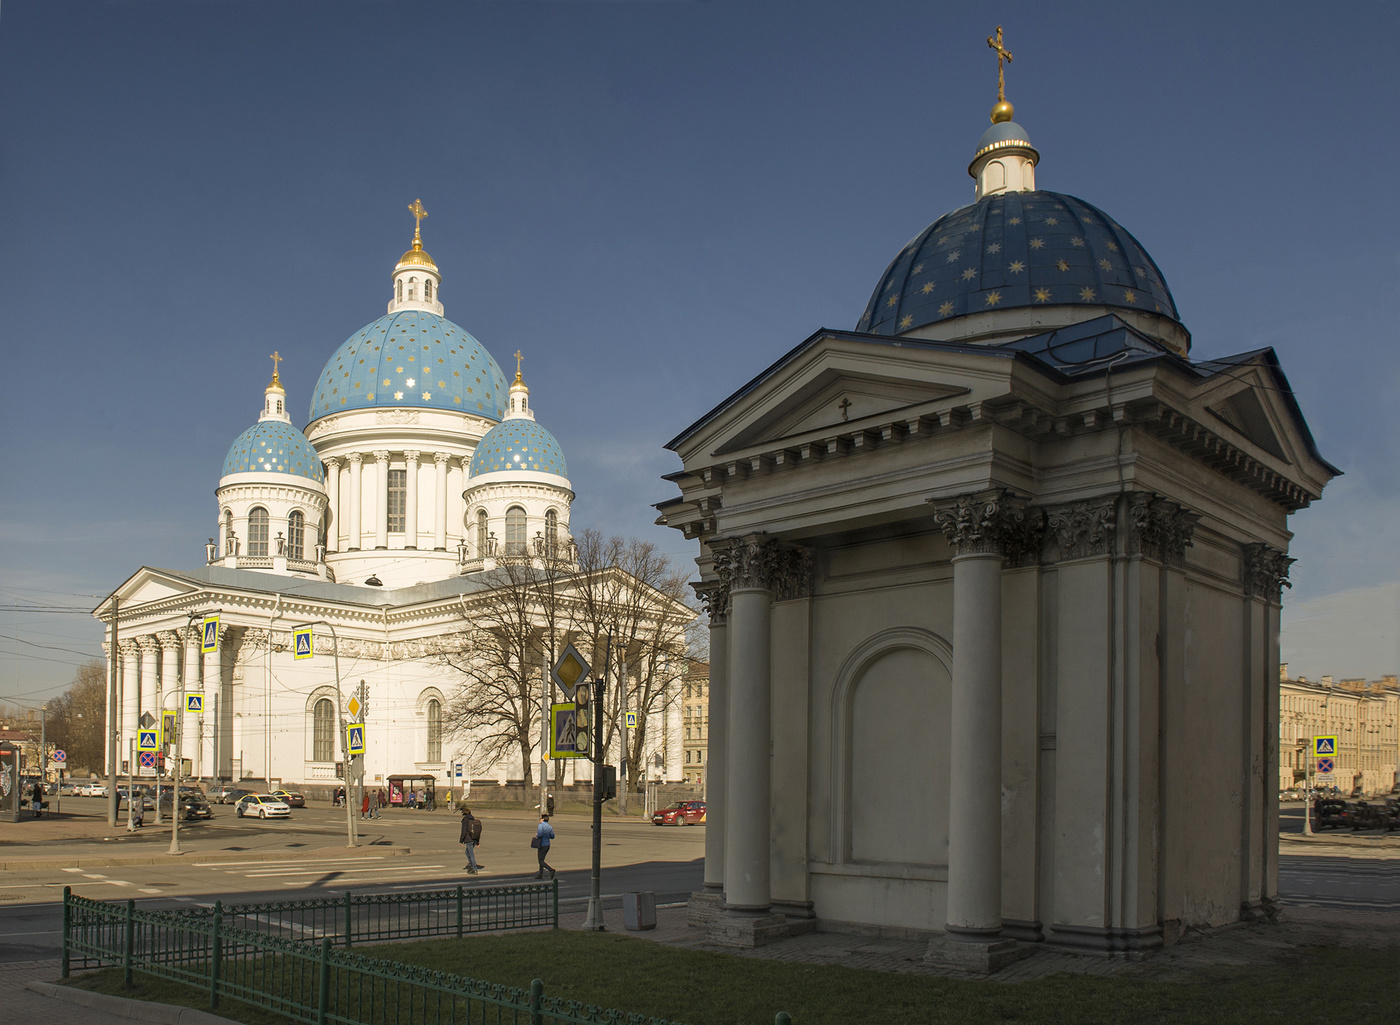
[[470, 838]]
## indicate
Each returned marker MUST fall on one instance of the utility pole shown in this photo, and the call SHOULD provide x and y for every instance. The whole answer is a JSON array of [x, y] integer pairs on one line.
[[594, 921], [112, 719], [44, 745]]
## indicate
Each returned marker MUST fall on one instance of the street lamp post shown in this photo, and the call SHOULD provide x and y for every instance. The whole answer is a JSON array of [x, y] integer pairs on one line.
[[352, 840], [179, 735]]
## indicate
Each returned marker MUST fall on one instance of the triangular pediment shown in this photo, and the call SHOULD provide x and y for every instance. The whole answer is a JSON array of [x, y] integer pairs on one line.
[[147, 586], [832, 399], [1245, 412]]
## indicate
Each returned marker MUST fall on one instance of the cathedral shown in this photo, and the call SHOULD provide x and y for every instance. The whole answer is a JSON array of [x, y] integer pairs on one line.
[[993, 587], [420, 489]]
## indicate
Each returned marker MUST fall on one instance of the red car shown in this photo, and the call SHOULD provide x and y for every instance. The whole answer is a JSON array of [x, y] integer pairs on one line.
[[687, 813]]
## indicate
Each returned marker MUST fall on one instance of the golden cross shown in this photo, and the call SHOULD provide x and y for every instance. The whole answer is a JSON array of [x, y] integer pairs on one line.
[[276, 358], [995, 44], [518, 358], [416, 209]]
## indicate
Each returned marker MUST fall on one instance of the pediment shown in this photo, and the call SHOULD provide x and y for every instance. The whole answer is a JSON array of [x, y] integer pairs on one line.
[[833, 399], [1245, 413], [148, 586]]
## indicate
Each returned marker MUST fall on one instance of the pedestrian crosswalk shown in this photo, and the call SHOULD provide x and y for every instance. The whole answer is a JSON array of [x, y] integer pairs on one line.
[[337, 872]]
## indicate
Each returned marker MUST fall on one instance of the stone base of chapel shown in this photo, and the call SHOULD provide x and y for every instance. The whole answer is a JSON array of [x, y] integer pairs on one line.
[[982, 957], [744, 929], [703, 907]]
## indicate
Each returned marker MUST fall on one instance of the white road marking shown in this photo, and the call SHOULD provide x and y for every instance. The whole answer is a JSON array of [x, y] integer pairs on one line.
[[146, 890], [72, 870], [319, 872], [281, 925], [291, 861]]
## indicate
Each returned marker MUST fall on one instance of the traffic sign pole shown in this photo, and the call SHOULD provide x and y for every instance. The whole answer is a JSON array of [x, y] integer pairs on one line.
[[594, 921]]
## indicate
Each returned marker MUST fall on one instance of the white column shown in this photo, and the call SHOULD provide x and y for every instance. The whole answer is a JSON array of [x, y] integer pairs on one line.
[[717, 756], [440, 501], [332, 538], [747, 791], [207, 765], [410, 508], [189, 725], [381, 499], [169, 679], [354, 501], [150, 676], [978, 527], [131, 688]]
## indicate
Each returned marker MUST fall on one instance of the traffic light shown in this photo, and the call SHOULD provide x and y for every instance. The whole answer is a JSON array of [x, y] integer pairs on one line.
[[609, 782]]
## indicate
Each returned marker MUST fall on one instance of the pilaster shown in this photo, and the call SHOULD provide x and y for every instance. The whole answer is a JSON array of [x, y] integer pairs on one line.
[[440, 460]]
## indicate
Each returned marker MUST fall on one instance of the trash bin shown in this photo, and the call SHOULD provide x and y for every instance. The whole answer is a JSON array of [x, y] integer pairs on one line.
[[639, 911]]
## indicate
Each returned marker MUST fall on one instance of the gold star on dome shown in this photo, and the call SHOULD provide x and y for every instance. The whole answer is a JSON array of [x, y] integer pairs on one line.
[[1105, 264], [1016, 267], [1037, 243], [1130, 298], [1112, 246], [386, 382], [994, 248], [993, 298], [928, 287], [1077, 242], [1062, 265], [411, 382], [427, 395], [1087, 294], [892, 300], [918, 268], [442, 384], [974, 227], [1013, 220], [905, 321], [1042, 295], [398, 396], [969, 274], [1052, 221], [398, 370], [953, 256], [945, 310]]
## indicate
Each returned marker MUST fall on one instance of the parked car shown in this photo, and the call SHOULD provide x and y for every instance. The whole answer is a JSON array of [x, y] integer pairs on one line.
[[192, 804], [221, 793], [291, 798], [235, 794], [262, 806], [1331, 814], [147, 800], [686, 813]]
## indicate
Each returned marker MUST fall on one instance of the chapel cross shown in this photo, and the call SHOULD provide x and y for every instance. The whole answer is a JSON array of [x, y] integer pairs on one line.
[[276, 358], [995, 44], [518, 358], [845, 407], [416, 209]]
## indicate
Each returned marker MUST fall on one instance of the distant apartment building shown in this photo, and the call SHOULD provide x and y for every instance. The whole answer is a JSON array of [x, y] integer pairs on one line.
[[1363, 715], [695, 721]]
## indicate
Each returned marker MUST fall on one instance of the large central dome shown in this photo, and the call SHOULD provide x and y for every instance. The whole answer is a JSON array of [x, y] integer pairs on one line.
[[411, 358], [1015, 249]]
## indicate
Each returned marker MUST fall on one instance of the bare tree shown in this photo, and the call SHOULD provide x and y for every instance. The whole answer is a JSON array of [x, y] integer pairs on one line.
[[77, 718]]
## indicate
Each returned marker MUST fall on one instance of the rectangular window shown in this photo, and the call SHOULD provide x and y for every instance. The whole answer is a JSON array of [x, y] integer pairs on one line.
[[398, 491]]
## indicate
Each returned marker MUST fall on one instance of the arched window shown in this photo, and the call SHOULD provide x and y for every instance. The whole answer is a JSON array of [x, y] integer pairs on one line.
[[323, 731], [481, 533], [279, 405], [296, 535], [515, 530], [551, 532], [434, 730], [428, 288], [398, 290], [412, 288], [257, 533]]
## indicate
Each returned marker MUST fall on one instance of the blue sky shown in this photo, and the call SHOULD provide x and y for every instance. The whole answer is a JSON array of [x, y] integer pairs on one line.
[[652, 201]]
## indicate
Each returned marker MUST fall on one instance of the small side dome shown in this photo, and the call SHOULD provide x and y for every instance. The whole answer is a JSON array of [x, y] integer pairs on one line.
[[518, 445], [274, 446]]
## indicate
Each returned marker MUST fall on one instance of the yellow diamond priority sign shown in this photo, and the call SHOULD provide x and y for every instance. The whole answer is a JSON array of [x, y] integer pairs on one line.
[[353, 705], [570, 671]]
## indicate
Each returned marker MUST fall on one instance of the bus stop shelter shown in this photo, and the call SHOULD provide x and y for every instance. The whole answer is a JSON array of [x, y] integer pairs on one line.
[[423, 787]]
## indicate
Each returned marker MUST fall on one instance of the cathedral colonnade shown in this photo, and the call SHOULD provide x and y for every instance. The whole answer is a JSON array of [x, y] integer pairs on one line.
[[382, 499]]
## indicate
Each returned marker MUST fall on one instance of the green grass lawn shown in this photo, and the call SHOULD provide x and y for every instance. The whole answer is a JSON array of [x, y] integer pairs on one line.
[[1325, 985]]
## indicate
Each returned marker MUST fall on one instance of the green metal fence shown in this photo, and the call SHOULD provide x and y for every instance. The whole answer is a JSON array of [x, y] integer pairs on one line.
[[316, 981]]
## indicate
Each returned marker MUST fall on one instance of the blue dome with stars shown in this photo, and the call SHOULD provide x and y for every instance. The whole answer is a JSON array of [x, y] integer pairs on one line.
[[274, 446], [519, 444], [411, 358], [1015, 249]]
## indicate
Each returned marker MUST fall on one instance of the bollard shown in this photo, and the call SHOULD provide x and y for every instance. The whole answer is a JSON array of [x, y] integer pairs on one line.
[[216, 955], [782, 1018], [67, 925], [536, 1002]]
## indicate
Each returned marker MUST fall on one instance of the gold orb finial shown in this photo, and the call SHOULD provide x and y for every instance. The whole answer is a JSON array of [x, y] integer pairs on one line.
[[1002, 111]]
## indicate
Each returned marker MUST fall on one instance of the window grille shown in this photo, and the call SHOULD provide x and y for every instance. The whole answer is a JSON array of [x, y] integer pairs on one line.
[[398, 491], [257, 533]]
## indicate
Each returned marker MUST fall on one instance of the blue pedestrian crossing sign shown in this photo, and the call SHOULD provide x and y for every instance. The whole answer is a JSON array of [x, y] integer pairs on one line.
[[302, 646], [194, 702], [209, 639], [147, 740], [1324, 746], [355, 738], [631, 720]]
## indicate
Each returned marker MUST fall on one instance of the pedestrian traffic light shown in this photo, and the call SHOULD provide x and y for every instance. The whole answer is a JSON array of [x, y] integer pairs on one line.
[[609, 782]]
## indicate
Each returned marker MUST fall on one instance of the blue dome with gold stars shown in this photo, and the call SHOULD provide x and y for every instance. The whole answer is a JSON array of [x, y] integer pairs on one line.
[[519, 444], [1015, 249], [411, 358], [274, 446]]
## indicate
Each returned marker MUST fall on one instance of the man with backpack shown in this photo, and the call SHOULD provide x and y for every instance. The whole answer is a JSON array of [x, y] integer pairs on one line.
[[470, 838]]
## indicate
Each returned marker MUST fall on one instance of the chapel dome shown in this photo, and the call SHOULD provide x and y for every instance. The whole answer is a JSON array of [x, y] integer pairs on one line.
[[274, 446], [1015, 249], [518, 445], [411, 358]]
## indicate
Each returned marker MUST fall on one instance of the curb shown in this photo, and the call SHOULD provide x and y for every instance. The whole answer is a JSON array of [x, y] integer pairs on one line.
[[195, 858], [126, 1007]]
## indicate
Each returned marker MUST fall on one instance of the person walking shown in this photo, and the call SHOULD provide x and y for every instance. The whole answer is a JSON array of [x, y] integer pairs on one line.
[[383, 801], [544, 836], [364, 806], [470, 838]]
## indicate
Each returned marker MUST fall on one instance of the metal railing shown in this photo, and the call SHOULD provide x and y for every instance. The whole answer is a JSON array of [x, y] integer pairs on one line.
[[316, 982]]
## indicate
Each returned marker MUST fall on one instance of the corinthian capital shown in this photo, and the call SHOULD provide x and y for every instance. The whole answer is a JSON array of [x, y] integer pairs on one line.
[[1159, 529], [764, 562], [714, 595], [1265, 572], [1080, 530], [984, 522]]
